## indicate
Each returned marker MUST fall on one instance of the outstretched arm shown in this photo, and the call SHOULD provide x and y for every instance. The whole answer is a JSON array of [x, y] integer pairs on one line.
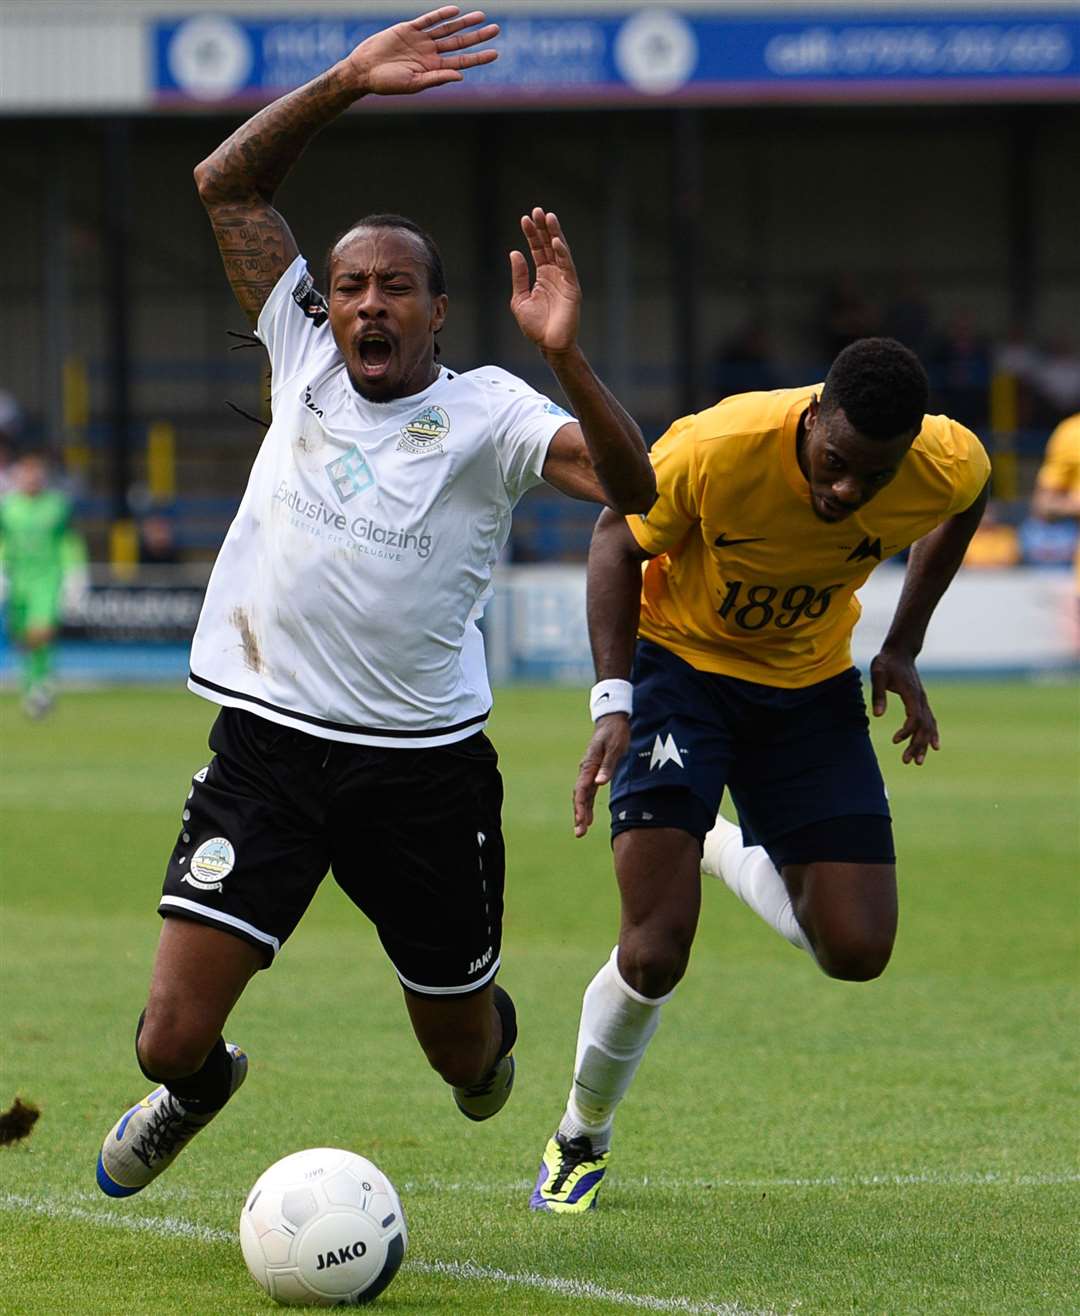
[[238, 181], [934, 561], [602, 457]]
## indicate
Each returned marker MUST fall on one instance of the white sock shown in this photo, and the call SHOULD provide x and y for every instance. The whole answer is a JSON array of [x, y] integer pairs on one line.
[[751, 874], [617, 1024]]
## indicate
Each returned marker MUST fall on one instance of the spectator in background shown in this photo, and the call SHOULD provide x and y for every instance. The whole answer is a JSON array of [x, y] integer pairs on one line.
[[1047, 543], [1019, 358], [34, 529], [1057, 486], [10, 415], [845, 314], [10, 428], [7, 465], [1056, 377], [157, 541], [908, 317], [744, 363], [995, 543], [959, 368]]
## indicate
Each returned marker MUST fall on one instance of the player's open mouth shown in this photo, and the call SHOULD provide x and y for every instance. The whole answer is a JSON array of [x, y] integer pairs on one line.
[[374, 352]]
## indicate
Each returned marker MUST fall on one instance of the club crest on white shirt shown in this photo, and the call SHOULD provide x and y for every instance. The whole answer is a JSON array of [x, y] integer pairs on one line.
[[425, 432]]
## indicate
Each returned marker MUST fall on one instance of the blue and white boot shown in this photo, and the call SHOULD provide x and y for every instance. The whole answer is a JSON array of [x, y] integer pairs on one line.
[[150, 1136]]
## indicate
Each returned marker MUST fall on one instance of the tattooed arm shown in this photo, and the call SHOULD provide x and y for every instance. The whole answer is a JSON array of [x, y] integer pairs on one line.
[[238, 181]]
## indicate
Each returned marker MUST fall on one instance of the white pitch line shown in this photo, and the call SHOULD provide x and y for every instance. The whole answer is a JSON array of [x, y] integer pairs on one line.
[[166, 1225], [576, 1288], [170, 1226]]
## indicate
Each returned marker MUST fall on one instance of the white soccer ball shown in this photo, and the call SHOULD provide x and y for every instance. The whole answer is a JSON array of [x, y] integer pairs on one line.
[[323, 1227]]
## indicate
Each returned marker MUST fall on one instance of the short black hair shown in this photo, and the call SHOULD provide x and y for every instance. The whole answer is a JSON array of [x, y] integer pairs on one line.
[[436, 274], [881, 386]]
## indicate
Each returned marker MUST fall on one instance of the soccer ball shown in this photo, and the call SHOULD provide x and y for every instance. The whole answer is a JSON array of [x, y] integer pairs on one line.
[[323, 1227]]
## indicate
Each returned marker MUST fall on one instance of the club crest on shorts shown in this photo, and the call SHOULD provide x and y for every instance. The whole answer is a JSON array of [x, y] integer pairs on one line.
[[425, 432], [211, 863]]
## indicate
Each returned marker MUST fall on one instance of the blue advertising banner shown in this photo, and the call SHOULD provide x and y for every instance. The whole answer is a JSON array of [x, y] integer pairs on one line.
[[658, 53]]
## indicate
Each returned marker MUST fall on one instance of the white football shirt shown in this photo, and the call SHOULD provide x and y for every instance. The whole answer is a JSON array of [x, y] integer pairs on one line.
[[345, 598]]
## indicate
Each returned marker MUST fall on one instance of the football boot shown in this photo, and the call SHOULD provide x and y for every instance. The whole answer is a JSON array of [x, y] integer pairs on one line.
[[151, 1135], [570, 1176]]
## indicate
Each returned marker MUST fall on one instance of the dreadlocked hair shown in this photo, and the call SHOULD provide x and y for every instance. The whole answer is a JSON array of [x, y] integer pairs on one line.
[[436, 273]]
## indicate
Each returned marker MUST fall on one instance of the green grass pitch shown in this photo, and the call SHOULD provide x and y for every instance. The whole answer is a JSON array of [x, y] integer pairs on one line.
[[792, 1144]]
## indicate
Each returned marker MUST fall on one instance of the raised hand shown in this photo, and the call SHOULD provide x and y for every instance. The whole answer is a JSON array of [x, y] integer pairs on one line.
[[427, 52], [549, 311]]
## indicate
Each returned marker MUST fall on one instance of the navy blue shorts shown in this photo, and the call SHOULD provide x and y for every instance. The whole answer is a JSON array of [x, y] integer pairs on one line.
[[792, 759]]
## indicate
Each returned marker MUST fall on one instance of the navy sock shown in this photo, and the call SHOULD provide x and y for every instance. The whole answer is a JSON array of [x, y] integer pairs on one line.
[[203, 1092], [505, 1006]]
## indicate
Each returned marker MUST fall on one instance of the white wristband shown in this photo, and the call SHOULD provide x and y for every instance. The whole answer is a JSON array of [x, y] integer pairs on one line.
[[611, 696]]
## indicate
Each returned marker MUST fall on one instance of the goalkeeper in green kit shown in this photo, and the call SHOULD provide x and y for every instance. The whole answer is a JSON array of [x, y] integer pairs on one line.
[[36, 546]]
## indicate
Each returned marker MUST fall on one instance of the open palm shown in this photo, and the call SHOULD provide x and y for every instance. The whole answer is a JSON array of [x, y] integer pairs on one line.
[[427, 52], [547, 312]]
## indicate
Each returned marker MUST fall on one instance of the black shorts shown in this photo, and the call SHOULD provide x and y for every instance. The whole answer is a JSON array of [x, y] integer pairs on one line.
[[792, 759], [413, 837]]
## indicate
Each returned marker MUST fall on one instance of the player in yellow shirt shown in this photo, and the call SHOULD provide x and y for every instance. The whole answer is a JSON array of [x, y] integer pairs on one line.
[[725, 662], [1057, 486]]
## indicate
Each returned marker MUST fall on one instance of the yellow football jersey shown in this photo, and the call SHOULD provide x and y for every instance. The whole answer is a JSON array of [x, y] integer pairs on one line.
[[1060, 470], [747, 581]]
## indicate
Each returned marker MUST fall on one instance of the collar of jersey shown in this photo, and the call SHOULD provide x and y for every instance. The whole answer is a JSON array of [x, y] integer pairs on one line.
[[377, 412]]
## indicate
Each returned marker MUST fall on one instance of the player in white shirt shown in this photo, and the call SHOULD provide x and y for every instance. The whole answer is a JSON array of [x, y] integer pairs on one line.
[[339, 631]]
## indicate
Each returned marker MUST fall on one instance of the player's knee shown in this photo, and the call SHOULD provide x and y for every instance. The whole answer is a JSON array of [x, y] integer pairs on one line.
[[652, 963], [856, 959]]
